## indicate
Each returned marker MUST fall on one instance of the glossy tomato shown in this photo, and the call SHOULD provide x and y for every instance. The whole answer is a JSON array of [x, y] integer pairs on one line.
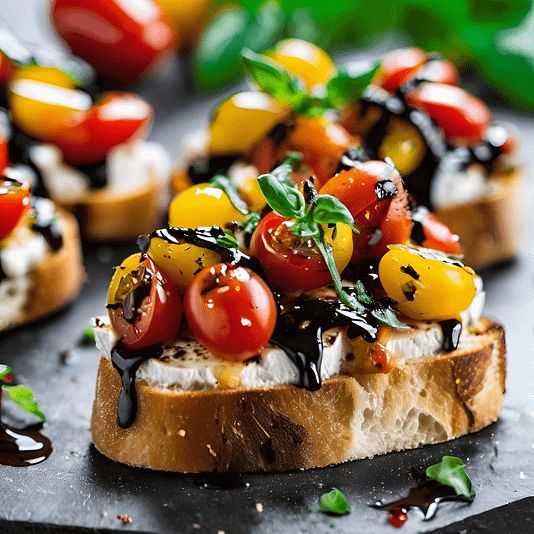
[[463, 118], [398, 67], [4, 156], [231, 311], [118, 117], [291, 262], [122, 40], [430, 232], [14, 203], [143, 303], [440, 71], [374, 194]]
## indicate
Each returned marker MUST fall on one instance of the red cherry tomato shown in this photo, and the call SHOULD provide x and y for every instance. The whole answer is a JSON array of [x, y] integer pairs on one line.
[[4, 156], [122, 40], [398, 67], [374, 194], [463, 117], [143, 303], [231, 311], [117, 118], [7, 69], [440, 71], [436, 234], [14, 203]]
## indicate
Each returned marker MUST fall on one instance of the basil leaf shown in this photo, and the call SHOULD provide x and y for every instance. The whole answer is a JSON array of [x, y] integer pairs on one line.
[[350, 82], [387, 317], [88, 334], [284, 199], [266, 27], [4, 370], [24, 398], [272, 79], [224, 183], [305, 228], [334, 502], [228, 241], [252, 221], [330, 209], [450, 472], [283, 172]]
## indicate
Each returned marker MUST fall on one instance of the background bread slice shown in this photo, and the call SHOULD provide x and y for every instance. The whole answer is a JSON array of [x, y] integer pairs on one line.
[[282, 428], [58, 279]]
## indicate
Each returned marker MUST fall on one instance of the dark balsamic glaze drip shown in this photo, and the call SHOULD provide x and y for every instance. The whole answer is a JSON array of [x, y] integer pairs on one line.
[[385, 189], [427, 496], [452, 329], [22, 448], [299, 329], [409, 270], [280, 132], [204, 236], [203, 169], [351, 158], [46, 222], [127, 362], [419, 214]]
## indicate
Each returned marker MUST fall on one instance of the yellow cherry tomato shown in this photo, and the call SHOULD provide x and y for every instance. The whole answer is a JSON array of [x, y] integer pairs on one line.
[[203, 205], [425, 288], [50, 75], [305, 60], [242, 121], [121, 280], [42, 110], [181, 262], [404, 145]]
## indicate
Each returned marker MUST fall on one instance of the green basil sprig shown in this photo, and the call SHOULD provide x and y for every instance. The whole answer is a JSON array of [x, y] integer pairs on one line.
[[21, 395], [334, 502], [450, 472], [310, 214], [223, 182], [349, 83]]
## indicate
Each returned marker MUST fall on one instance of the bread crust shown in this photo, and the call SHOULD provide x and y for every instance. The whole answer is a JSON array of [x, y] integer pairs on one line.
[[489, 228], [58, 279], [283, 428]]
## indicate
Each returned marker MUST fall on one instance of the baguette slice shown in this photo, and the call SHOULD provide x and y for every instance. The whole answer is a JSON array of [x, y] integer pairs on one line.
[[429, 400], [57, 280]]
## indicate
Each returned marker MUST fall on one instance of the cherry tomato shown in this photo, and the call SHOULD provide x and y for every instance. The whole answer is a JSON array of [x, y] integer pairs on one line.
[[296, 263], [398, 67], [203, 205], [143, 303], [321, 142], [463, 117], [231, 311], [425, 288], [4, 156], [436, 234], [374, 194], [440, 71], [123, 41], [14, 203], [115, 119], [7, 69]]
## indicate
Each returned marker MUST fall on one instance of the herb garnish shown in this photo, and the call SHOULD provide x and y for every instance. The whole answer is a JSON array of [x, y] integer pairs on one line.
[[21, 395], [310, 214], [450, 472], [223, 182], [88, 334], [334, 502]]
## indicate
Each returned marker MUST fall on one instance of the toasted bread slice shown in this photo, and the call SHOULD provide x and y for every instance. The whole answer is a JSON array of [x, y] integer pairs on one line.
[[421, 401]]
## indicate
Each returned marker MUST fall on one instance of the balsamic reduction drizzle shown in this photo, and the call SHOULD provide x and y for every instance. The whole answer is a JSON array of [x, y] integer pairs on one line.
[[419, 214], [452, 329], [427, 496], [46, 222], [22, 448], [205, 237], [127, 362]]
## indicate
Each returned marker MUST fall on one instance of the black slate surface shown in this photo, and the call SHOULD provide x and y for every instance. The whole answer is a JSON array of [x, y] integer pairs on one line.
[[78, 490]]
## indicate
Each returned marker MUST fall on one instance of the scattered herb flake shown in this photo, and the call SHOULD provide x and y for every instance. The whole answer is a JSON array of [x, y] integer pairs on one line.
[[450, 472], [334, 502], [88, 334], [23, 396]]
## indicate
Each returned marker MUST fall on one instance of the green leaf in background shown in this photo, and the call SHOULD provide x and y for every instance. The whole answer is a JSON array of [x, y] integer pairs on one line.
[[284, 199], [88, 334], [499, 13], [302, 25], [334, 502], [24, 398], [4, 370], [450, 472], [266, 27], [216, 60], [272, 78], [223, 182], [350, 82]]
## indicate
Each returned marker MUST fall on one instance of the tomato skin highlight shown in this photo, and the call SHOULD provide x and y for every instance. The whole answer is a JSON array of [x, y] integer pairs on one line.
[[463, 117], [285, 267], [231, 311], [121, 44], [398, 67], [158, 315], [14, 203]]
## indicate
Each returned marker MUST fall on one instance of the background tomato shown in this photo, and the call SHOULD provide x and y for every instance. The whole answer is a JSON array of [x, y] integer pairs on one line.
[[398, 67], [231, 311], [430, 232], [14, 203], [122, 40], [143, 303], [295, 263]]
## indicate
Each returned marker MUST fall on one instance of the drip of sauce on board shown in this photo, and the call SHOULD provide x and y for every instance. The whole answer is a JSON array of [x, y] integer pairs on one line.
[[452, 329], [46, 222]]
